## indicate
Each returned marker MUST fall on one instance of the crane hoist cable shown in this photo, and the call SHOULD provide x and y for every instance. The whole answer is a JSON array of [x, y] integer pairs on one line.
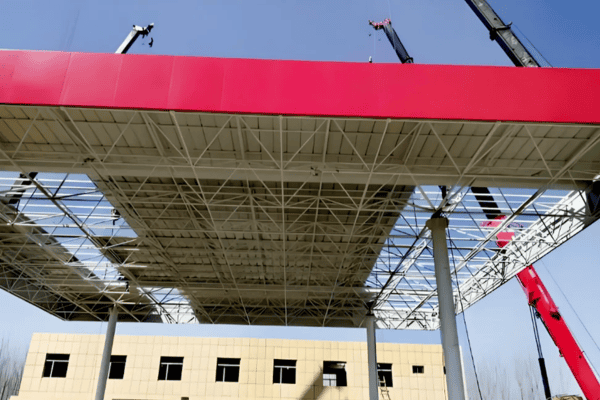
[[572, 309], [538, 344]]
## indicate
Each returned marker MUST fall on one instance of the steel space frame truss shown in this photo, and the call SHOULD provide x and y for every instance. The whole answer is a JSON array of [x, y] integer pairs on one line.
[[274, 219], [541, 220]]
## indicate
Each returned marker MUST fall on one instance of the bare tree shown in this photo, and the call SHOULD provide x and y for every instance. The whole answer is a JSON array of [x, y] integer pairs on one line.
[[493, 383], [11, 370], [521, 380], [528, 380]]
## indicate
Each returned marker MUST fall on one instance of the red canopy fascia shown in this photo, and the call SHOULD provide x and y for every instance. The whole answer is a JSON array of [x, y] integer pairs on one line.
[[276, 87]]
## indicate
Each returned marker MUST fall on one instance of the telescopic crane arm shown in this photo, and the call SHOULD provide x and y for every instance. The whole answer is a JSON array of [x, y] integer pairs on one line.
[[503, 34], [539, 298], [499, 31], [536, 292], [392, 36], [133, 35], [537, 295]]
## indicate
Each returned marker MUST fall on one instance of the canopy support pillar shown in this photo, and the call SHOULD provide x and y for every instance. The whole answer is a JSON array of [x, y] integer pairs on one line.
[[372, 358], [108, 344], [454, 373]]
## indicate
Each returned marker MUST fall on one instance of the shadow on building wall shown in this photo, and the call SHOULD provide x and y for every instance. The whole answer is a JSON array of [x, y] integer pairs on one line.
[[315, 389]]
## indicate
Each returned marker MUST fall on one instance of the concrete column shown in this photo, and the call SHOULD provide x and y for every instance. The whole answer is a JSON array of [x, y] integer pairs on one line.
[[454, 372], [372, 357], [108, 344]]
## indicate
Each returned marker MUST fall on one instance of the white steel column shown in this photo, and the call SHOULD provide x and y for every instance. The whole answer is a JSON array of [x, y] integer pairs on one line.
[[108, 344], [454, 373], [372, 357]]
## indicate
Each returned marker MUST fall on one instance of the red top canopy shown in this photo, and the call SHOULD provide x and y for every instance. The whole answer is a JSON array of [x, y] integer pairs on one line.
[[278, 87]]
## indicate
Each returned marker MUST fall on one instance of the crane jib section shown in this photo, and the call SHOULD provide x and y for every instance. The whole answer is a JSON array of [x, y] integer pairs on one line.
[[539, 298]]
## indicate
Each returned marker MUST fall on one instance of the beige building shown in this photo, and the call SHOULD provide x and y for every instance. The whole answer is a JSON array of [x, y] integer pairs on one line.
[[66, 366]]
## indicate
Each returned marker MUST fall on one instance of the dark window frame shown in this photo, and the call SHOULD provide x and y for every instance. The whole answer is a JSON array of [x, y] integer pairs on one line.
[[116, 367], [170, 368], [284, 372], [384, 374], [54, 364], [337, 369], [418, 369], [228, 370]]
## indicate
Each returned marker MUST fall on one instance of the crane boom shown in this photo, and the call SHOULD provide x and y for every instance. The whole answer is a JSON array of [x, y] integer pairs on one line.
[[132, 36], [503, 34], [539, 298], [392, 36], [536, 292]]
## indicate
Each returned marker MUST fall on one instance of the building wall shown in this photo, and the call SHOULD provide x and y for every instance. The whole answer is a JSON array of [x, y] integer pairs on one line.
[[143, 353]]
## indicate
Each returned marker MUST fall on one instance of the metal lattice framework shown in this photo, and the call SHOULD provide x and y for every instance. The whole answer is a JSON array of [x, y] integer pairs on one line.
[[279, 220]]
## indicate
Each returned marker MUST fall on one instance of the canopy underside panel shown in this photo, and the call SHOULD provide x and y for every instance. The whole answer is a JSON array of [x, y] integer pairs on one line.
[[275, 220]]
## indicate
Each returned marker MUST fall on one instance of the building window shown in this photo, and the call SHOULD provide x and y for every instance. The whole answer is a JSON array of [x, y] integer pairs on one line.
[[228, 369], [334, 373], [170, 368], [56, 366], [418, 369], [116, 368], [384, 373], [284, 371]]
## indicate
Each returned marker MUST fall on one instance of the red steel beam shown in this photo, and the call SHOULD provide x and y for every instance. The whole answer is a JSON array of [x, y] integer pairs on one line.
[[276, 87]]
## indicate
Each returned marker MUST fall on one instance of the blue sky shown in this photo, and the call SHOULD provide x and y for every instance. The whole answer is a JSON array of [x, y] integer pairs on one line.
[[433, 31]]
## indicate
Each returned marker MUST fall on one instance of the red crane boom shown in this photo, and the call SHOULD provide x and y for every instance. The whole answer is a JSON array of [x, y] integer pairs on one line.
[[539, 298]]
